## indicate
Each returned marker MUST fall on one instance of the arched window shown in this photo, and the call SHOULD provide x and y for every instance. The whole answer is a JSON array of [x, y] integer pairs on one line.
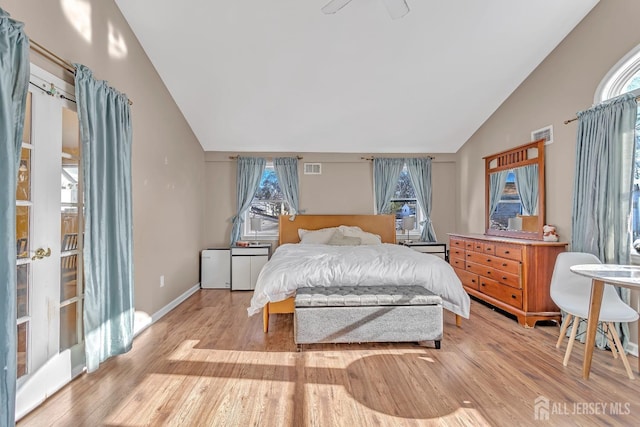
[[624, 77]]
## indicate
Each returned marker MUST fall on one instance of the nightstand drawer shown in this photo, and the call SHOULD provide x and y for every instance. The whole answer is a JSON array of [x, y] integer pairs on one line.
[[249, 251]]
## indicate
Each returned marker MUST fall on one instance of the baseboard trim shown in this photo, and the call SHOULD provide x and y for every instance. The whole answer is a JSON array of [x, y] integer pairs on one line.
[[143, 321]]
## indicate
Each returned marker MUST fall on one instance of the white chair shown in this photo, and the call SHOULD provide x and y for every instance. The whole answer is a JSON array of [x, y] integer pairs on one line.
[[572, 293]]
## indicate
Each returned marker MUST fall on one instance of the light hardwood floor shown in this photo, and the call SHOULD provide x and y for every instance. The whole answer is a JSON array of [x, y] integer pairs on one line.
[[207, 364]]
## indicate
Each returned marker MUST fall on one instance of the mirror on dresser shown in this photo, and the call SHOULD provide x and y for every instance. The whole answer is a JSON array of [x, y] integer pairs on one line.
[[514, 192]]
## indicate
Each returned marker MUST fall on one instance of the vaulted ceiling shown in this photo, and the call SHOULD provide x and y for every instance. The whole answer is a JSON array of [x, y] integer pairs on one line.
[[281, 76]]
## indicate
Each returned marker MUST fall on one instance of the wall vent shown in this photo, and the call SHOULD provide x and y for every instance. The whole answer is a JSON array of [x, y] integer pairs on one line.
[[545, 133], [313, 168]]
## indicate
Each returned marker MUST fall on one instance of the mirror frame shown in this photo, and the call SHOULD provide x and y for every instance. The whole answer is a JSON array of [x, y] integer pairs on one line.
[[509, 159]]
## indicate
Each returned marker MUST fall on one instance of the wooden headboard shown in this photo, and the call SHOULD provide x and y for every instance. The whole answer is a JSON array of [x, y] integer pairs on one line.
[[382, 225]]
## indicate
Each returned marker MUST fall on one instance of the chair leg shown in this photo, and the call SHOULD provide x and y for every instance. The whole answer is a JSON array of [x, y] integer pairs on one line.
[[606, 326], [563, 329], [623, 356], [572, 338]]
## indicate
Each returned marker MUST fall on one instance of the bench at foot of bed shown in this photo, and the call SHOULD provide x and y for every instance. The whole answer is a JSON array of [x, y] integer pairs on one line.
[[348, 314]]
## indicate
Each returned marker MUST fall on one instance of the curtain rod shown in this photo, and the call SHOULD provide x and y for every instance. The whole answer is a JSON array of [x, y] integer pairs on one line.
[[66, 65], [372, 158], [268, 158], [566, 122]]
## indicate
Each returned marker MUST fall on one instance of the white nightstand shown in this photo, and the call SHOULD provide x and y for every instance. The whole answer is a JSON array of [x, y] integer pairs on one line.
[[215, 269], [246, 263]]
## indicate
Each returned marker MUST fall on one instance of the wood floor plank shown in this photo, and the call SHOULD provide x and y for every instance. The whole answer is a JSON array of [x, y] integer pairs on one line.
[[207, 364]]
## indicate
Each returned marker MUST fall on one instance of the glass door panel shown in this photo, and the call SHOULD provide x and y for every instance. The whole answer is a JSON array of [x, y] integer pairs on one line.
[[22, 231], [70, 222], [22, 313], [22, 349], [68, 325], [23, 191], [23, 238]]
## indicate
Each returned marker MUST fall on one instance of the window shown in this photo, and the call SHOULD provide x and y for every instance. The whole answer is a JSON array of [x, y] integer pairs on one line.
[[624, 77], [267, 205], [404, 203]]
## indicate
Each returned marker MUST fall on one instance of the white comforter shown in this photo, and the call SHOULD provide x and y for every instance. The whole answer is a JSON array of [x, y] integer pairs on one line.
[[294, 266]]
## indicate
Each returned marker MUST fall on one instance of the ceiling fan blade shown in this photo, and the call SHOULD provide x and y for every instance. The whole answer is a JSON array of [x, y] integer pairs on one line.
[[334, 5], [397, 8]]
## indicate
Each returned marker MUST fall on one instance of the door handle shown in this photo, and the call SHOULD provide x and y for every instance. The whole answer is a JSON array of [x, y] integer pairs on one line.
[[41, 253]]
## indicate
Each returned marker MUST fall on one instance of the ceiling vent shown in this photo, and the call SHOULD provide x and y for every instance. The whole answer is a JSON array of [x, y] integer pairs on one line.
[[313, 168], [545, 133]]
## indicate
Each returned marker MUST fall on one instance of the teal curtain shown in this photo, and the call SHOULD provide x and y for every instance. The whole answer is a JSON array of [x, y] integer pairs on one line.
[[106, 136], [497, 182], [603, 185], [248, 176], [14, 84], [287, 173], [420, 175], [386, 172], [527, 186]]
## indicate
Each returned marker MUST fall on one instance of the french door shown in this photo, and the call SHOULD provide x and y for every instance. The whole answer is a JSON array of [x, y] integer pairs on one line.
[[49, 221]]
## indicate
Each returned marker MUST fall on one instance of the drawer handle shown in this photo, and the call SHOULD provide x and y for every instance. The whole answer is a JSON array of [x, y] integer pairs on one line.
[[504, 265], [473, 280], [506, 252], [488, 260], [482, 284], [504, 278], [488, 272], [513, 296], [489, 249]]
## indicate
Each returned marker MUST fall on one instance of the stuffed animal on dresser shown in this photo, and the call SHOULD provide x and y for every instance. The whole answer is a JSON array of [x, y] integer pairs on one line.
[[549, 233]]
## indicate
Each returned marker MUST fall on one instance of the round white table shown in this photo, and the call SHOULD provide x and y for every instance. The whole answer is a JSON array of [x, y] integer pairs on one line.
[[627, 276]]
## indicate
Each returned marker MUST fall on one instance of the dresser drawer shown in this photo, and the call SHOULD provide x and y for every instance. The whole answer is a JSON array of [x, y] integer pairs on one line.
[[468, 279], [508, 279], [456, 243], [502, 264], [500, 292], [477, 246], [457, 262], [509, 251], [457, 253]]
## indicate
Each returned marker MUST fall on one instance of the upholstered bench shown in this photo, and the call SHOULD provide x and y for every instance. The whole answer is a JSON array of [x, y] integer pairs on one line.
[[345, 314]]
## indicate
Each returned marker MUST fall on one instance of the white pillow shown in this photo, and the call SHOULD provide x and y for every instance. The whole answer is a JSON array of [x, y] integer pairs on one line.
[[321, 236], [339, 239], [365, 237]]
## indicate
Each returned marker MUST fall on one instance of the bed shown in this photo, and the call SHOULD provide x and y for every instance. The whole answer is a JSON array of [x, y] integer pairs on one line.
[[295, 265]]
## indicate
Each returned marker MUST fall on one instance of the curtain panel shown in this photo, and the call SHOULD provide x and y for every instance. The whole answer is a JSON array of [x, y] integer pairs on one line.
[[497, 182], [106, 137], [603, 185], [287, 173], [248, 176], [14, 85], [386, 172], [527, 186], [420, 175]]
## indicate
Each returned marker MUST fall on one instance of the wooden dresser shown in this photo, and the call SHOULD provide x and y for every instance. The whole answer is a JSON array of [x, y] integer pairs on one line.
[[511, 274]]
